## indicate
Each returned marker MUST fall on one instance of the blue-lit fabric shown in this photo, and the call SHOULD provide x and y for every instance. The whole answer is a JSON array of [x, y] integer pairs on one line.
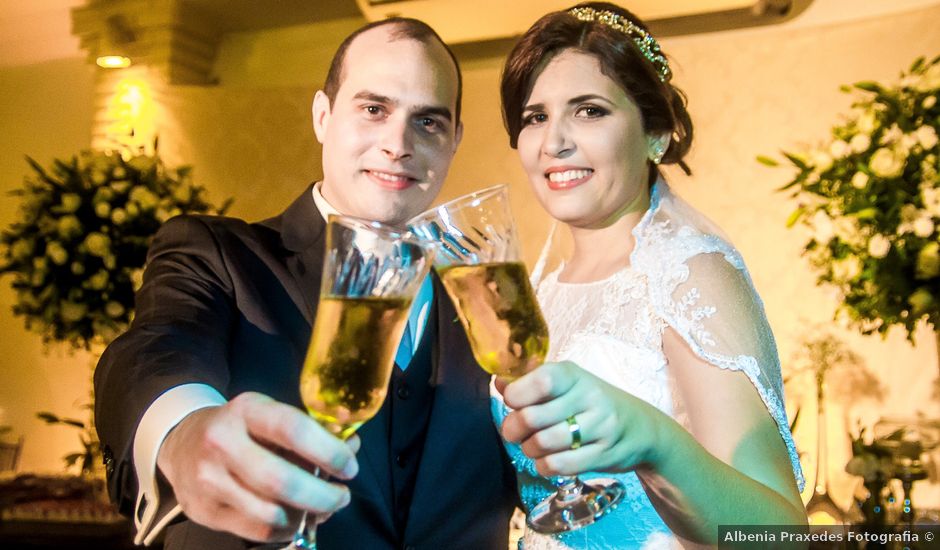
[[684, 275], [417, 319]]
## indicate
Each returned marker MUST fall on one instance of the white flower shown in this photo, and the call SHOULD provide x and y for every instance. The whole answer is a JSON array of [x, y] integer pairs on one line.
[[886, 164], [920, 301], [892, 134], [68, 226], [929, 101], [98, 244], [905, 144], [137, 278], [821, 160], [57, 253], [860, 143], [860, 180], [143, 197], [846, 269], [70, 202], [846, 230], [931, 197], [71, 312], [866, 122], [822, 225], [923, 226], [114, 309], [141, 163], [183, 193], [103, 194], [103, 210], [928, 261], [909, 213], [878, 246], [839, 149], [22, 249], [930, 81], [98, 281], [118, 216], [98, 177], [927, 137]]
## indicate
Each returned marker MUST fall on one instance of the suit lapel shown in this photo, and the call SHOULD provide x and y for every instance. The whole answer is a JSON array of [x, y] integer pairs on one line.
[[303, 235]]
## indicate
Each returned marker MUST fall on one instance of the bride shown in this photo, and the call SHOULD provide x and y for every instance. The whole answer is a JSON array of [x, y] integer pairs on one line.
[[662, 357]]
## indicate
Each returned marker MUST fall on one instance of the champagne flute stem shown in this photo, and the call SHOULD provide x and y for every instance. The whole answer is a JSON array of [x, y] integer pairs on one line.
[[569, 488], [305, 539]]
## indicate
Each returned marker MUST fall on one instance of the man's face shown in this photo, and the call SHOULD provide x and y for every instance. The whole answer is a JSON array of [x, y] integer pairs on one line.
[[389, 137]]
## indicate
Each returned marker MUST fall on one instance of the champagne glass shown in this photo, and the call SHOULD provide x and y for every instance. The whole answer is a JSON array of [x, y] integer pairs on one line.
[[477, 257], [371, 273]]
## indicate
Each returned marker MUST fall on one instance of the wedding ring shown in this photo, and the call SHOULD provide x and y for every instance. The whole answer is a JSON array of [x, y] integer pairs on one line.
[[575, 430]]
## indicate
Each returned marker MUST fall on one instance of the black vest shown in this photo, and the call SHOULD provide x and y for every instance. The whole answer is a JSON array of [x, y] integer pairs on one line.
[[408, 406]]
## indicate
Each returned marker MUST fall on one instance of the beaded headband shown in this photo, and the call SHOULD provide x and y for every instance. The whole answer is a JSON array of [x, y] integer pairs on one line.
[[647, 45]]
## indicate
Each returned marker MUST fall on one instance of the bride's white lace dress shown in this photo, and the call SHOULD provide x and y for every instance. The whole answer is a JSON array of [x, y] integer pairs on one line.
[[683, 275]]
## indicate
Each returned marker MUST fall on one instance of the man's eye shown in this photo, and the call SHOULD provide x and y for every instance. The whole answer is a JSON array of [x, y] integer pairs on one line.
[[373, 110], [429, 123]]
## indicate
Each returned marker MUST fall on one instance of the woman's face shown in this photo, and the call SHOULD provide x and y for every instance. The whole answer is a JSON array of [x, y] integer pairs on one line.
[[582, 143]]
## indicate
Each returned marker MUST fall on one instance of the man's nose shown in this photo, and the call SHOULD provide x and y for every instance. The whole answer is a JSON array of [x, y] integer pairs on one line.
[[396, 140]]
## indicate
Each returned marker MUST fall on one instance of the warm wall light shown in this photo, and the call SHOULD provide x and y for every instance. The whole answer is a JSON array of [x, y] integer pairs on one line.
[[113, 61], [118, 37]]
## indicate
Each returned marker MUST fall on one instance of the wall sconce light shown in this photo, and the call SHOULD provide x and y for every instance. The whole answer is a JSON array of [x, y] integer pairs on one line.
[[117, 39]]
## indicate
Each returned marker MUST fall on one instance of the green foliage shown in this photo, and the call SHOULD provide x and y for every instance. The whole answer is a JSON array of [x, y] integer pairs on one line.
[[77, 251], [871, 196]]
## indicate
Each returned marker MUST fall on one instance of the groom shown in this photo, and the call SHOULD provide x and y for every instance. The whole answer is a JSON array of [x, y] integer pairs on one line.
[[198, 406]]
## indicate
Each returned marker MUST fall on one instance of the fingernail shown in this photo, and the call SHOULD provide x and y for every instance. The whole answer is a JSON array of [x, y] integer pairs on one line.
[[347, 496], [351, 469]]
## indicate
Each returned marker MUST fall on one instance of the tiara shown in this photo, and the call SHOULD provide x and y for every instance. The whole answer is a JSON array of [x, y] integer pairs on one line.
[[647, 45]]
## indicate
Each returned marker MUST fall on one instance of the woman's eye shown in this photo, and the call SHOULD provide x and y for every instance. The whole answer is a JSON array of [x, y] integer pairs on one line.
[[591, 111], [534, 118]]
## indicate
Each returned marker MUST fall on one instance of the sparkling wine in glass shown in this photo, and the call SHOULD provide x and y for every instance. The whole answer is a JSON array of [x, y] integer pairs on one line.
[[477, 257], [371, 273]]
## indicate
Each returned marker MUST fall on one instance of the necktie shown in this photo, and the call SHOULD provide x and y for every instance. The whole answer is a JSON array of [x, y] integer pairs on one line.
[[405, 348]]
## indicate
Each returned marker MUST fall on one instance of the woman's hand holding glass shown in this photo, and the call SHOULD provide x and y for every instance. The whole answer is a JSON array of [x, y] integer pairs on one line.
[[617, 430]]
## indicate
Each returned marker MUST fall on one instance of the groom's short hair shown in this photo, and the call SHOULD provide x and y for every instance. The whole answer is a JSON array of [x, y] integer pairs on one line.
[[406, 28]]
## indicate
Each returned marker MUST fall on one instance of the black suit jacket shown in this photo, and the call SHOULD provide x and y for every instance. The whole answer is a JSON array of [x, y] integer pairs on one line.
[[230, 304]]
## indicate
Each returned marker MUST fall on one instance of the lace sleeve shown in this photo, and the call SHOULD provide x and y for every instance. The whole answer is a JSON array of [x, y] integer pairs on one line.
[[700, 286]]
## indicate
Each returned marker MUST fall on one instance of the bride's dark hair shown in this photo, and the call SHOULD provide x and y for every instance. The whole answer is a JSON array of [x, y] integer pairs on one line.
[[662, 105]]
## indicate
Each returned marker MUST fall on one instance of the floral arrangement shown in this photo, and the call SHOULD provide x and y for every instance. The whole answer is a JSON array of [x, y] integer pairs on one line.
[[873, 460], [77, 251], [871, 197]]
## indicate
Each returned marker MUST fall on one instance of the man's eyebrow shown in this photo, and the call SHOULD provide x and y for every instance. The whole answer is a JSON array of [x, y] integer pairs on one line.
[[443, 112], [374, 97]]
